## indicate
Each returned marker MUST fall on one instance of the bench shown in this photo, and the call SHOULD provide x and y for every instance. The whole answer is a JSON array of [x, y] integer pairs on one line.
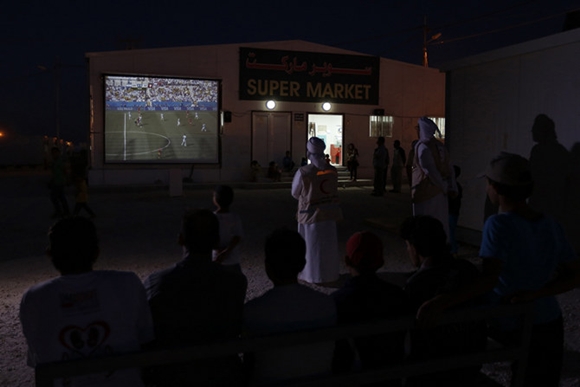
[[46, 373]]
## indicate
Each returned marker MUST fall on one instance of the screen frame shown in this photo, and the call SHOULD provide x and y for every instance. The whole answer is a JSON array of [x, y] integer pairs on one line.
[[217, 155]]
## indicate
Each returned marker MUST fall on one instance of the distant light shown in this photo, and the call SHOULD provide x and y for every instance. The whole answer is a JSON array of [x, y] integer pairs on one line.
[[270, 104], [1, 134], [326, 106]]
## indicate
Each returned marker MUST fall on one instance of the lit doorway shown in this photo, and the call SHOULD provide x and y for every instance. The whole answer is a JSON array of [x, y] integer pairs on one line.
[[328, 127]]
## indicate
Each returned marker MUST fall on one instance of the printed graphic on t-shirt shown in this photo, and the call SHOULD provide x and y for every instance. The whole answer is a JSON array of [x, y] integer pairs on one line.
[[85, 341], [79, 303]]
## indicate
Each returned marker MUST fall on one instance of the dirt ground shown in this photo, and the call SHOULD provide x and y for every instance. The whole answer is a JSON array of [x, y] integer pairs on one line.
[[138, 232]]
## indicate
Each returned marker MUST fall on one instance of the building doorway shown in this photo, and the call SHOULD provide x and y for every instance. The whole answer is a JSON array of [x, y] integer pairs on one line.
[[328, 127], [271, 136]]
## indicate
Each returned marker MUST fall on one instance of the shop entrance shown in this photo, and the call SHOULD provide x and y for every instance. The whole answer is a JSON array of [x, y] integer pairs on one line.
[[271, 136], [328, 127]]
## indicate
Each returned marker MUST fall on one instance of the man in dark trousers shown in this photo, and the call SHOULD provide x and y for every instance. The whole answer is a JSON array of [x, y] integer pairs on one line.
[[380, 164], [399, 161]]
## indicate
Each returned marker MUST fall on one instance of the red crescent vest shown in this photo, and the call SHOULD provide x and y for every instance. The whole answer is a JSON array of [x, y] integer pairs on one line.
[[318, 200]]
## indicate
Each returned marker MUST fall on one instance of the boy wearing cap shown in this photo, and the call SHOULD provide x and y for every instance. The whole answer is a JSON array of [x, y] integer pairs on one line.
[[439, 273], [365, 297], [526, 257], [532, 261]]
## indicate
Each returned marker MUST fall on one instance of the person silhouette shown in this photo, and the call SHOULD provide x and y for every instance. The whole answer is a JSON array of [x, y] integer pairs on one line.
[[550, 165]]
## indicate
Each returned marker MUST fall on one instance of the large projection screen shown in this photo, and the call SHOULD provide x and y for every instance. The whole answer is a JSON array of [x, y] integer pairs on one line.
[[161, 119]]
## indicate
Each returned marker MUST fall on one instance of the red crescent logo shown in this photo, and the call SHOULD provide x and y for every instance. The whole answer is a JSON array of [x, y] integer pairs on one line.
[[322, 187]]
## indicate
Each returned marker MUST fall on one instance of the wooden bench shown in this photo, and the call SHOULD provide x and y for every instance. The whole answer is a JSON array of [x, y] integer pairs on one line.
[[47, 373]]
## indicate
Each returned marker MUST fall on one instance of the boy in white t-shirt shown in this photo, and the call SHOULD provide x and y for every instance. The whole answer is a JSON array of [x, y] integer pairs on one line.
[[84, 313], [231, 232]]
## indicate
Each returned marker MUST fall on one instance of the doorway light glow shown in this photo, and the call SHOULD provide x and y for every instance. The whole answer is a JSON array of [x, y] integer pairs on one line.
[[270, 104], [326, 106]]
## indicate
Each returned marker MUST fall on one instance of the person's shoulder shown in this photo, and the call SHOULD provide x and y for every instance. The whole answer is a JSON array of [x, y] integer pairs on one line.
[[347, 290], [161, 275], [117, 275], [231, 277], [464, 267], [503, 219], [41, 287]]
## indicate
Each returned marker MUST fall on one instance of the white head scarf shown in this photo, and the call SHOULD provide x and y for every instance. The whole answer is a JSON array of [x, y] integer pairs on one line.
[[427, 129], [316, 147]]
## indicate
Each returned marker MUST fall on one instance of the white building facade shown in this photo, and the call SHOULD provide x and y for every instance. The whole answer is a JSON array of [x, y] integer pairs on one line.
[[492, 100], [368, 96]]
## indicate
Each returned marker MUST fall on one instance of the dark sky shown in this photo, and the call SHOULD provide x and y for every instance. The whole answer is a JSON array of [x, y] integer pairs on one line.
[[37, 34]]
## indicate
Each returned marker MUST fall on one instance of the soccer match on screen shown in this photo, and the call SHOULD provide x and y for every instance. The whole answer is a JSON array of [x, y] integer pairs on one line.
[[161, 120]]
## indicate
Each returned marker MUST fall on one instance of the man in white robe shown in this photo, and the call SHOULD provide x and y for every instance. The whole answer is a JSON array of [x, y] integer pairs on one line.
[[315, 186], [433, 178]]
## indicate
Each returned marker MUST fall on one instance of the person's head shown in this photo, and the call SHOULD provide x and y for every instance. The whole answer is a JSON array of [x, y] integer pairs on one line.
[[73, 245], [425, 238], [315, 146], [509, 175], [364, 252], [285, 252], [288, 153], [543, 129], [272, 164], [200, 232], [427, 128], [381, 141], [397, 143], [350, 146], [223, 196]]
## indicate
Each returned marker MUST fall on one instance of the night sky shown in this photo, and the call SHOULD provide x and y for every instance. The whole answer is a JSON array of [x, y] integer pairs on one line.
[[37, 36]]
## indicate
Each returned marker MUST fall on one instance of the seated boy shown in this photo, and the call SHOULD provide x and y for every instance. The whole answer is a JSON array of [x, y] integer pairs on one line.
[[365, 297], [287, 307], [197, 301], [439, 273], [84, 312]]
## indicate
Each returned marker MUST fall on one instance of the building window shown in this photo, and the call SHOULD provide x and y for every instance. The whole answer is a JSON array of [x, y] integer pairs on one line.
[[381, 126], [440, 122]]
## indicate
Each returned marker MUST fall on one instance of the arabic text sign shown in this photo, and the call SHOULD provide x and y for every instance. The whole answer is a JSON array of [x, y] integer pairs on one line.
[[308, 76]]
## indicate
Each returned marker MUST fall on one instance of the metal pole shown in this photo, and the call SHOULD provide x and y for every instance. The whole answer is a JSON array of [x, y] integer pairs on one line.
[[425, 59], [57, 95]]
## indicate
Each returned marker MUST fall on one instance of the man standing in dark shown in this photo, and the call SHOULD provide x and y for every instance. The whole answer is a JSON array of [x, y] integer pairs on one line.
[[197, 301], [380, 164], [399, 161]]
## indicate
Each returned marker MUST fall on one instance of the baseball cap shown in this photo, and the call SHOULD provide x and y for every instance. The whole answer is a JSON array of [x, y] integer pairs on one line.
[[364, 251], [509, 169]]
